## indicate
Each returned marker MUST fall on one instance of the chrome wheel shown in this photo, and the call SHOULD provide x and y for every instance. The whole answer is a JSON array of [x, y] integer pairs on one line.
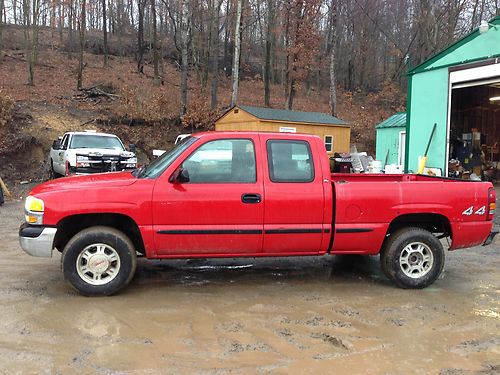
[[98, 264], [416, 260]]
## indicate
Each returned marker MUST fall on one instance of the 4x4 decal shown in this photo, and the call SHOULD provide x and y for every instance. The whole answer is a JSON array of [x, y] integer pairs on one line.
[[470, 211]]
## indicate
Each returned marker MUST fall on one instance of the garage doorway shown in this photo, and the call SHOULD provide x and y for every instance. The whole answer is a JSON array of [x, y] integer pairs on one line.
[[474, 124]]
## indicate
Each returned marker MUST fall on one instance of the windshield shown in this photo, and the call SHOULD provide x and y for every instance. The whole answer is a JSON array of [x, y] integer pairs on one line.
[[96, 141], [163, 162]]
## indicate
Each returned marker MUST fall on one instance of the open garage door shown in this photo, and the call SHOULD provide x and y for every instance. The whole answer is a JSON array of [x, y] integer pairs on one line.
[[474, 123]]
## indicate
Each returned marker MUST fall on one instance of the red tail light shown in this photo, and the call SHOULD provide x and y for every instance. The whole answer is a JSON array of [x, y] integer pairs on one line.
[[491, 203]]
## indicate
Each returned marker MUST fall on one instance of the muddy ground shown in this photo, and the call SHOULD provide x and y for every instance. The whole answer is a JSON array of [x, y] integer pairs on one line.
[[300, 315]]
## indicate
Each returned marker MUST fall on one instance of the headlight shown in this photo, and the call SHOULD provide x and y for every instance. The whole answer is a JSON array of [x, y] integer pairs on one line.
[[33, 210], [131, 163], [81, 161]]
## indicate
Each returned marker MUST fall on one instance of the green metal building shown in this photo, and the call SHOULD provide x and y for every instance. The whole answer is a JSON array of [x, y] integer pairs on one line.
[[459, 90], [391, 136]]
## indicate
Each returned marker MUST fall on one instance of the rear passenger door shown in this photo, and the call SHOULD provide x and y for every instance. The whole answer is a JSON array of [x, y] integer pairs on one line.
[[294, 204]]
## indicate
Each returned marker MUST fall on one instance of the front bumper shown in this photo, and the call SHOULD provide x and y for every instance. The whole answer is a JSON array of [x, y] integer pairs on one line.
[[37, 240], [490, 238]]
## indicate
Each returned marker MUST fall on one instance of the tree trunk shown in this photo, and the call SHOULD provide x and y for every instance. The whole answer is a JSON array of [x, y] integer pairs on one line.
[[81, 34], [269, 43], [30, 22], [236, 55], [2, 11], [105, 32], [156, 55], [140, 36], [226, 40], [61, 23], [215, 54], [333, 47], [184, 55]]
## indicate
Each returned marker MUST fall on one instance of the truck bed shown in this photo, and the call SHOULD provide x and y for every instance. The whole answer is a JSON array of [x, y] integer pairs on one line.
[[366, 204]]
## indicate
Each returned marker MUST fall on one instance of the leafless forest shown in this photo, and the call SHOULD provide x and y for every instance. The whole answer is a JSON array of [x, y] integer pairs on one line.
[[293, 46]]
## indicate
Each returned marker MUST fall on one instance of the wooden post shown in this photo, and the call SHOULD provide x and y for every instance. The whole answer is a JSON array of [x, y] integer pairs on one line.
[[4, 188]]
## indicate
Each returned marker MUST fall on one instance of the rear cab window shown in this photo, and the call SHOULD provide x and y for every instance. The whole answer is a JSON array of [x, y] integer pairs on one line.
[[290, 161]]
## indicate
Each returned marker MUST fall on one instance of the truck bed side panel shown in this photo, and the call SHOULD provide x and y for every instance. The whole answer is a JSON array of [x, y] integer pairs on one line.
[[367, 204]]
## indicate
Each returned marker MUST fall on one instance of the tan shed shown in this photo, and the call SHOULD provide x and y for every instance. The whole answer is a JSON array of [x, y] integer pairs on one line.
[[335, 133]]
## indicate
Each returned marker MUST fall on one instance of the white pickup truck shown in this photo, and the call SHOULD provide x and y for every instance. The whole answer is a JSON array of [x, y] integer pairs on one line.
[[89, 152]]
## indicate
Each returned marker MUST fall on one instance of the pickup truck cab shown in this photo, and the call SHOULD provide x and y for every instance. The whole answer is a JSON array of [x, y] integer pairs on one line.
[[248, 194], [89, 152]]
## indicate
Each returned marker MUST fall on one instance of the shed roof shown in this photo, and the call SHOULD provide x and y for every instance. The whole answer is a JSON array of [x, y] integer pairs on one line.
[[486, 49], [397, 120], [292, 116]]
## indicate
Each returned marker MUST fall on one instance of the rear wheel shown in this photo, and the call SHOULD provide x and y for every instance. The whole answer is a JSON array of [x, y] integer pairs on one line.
[[99, 261], [412, 258], [53, 173]]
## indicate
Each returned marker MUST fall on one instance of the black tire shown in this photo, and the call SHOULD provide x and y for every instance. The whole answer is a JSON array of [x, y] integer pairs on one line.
[[413, 258], [53, 174], [91, 248]]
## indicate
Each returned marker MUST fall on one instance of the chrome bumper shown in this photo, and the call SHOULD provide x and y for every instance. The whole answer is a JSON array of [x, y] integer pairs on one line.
[[37, 241]]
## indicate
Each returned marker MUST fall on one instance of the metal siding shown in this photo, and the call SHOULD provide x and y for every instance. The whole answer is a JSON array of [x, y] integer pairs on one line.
[[483, 45], [388, 139], [429, 105]]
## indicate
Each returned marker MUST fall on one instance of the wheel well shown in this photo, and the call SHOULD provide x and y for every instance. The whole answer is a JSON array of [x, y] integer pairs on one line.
[[433, 223], [71, 225]]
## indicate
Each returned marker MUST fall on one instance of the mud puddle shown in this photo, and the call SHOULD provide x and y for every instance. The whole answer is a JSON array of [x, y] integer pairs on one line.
[[285, 315]]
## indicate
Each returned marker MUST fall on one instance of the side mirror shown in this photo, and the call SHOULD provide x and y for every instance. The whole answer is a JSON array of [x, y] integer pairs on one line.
[[180, 176], [56, 145], [132, 148]]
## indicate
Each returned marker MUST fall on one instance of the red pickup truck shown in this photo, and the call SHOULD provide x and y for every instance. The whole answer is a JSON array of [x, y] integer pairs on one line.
[[248, 194]]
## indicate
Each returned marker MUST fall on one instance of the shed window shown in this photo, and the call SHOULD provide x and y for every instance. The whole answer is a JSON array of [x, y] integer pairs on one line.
[[329, 143]]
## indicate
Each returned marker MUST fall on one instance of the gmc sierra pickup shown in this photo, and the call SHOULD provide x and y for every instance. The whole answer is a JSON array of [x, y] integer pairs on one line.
[[247, 194]]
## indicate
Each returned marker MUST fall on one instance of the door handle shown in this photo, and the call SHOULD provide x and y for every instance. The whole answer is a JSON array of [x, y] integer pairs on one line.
[[251, 198]]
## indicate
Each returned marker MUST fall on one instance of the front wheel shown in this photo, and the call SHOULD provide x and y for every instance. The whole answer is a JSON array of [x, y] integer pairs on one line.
[[412, 258], [99, 261]]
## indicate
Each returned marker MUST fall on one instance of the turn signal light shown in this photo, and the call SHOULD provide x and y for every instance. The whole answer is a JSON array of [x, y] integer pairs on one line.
[[491, 203]]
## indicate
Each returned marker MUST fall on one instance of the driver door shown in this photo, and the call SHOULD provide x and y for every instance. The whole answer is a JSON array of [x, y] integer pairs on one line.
[[220, 210]]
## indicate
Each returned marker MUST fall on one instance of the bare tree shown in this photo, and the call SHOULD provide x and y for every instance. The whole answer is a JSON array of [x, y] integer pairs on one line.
[[31, 13], [82, 25], [236, 55], [185, 29], [333, 48], [141, 4], [156, 54], [2, 12], [271, 19], [216, 6], [104, 32]]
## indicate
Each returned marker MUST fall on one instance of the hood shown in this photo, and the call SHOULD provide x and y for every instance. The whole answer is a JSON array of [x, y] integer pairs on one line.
[[98, 180]]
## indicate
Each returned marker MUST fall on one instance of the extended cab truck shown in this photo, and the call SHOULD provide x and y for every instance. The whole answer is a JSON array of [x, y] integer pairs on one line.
[[246, 194]]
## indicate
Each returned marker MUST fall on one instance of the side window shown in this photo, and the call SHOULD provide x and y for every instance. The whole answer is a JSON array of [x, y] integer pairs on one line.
[[64, 142], [222, 161], [290, 161], [329, 143]]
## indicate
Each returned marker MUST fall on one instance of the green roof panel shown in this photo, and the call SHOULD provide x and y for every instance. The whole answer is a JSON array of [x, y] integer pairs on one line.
[[292, 116], [485, 46], [398, 120]]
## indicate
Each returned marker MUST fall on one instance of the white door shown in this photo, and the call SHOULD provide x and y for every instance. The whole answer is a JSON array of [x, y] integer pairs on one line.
[[402, 148]]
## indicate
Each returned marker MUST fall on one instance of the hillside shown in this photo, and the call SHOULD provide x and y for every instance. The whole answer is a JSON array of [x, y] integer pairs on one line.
[[137, 110]]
